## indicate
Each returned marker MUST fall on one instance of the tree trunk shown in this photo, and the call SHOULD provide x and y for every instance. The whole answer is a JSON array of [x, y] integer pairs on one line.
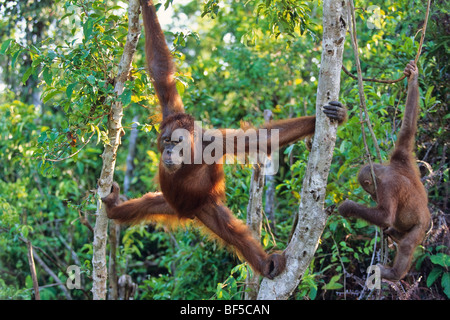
[[269, 208], [255, 213], [114, 228], [37, 295], [312, 217], [115, 132], [254, 221]]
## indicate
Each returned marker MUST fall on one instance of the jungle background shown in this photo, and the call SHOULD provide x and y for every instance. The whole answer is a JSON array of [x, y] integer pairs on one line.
[[235, 59]]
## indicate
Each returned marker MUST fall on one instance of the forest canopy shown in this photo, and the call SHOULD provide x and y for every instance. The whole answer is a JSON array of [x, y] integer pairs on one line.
[[235, 59]]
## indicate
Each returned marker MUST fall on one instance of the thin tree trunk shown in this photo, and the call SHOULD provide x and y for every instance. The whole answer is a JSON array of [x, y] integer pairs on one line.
[[312, 217], [254, 221], [53, 275], [269, 208], [114, 232], [255, 213], [115, 131], [31, 264], [37, 295], [114, 228]]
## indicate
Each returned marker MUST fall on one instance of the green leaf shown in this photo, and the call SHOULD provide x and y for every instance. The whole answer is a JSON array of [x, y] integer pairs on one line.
[[266, 240], [313, 291], [14, 58], [27, 74], [49, 95], [125, 97], [333, 284], [445, 282], [441, 259], [181, 86], [69, 89], [95, 128], [37, 61], [48, 76], [341, 170], [428, 95], [28, 282], [91, 79], [5, 46], [25, 231], [114, 8], [88, 27], [434, 274], [219, 291]]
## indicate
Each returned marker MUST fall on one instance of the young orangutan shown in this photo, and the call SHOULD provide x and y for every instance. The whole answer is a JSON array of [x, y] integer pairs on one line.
[[402, 202]]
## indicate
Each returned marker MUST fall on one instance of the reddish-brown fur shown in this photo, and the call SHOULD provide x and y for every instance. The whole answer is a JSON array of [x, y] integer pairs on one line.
[[197, 191], [402, 209]]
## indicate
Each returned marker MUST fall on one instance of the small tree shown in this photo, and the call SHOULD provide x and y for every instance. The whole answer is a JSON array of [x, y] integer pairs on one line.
[[84, 79], [115, 131]]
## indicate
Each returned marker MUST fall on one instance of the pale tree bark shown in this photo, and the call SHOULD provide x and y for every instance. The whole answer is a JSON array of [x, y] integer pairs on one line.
[[37, 295], [269, 208], [255, 213], [254, 221], [127, 288], [114, 237], [115, 131], [114, 228], [254, 207], [312, 217]]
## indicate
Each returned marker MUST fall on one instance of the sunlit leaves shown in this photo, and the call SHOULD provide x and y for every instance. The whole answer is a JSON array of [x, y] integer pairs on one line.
[[211, 8], [284, 16], [77, 77]]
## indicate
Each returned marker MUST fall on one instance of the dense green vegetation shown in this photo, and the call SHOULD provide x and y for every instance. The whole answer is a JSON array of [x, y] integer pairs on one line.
[[235, 59]]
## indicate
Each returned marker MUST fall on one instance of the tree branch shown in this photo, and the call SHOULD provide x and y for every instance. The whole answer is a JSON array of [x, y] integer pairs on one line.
[[37, 295], [53, 275], [255, 212]]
